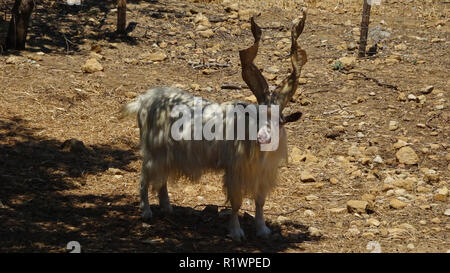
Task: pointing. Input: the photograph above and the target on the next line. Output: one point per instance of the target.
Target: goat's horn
(286, 90)
(250, 73)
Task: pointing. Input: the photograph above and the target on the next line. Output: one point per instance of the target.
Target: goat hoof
(167, 209)
(263, 232)
(147, 215)
(237, 235)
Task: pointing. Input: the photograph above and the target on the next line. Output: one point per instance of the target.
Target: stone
(337, 210)
(353, 231)
(401, 96)
(399, 144)
(411, 97)
(393, 125)
(348, 62)
(397, 204)
(201, 19)
(447, 212)
(91, 66)
(333, 180)
(431, 178)
(206, 33)
(311, 197)
(14, 60)
(427, 90)
(373, 222)
(156, 57)
(404, 183)
(309, 213)
(306, 176)
(315, 232)
(436, 220)
(401, 47)
(397, 232)
(406, 155)
(358, 206)
(410, 246)
(378, 160)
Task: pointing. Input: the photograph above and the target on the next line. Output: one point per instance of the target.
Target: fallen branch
(197, 65)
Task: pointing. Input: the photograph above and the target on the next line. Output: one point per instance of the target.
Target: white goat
(249, 171)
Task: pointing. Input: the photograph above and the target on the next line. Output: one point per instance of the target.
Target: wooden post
(121, 16)
(18, 26)
(364, 28)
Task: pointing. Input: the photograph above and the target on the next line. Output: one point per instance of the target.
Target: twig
(371, 79)
(231, 86)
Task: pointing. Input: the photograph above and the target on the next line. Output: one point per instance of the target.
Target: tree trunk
(121, 16)
(18, 26)
(364, 29)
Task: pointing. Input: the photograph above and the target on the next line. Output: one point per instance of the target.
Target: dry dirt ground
(355, 121)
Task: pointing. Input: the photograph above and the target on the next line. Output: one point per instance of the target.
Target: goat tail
(131, 109)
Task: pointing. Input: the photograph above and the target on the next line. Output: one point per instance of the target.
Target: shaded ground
(51, 195)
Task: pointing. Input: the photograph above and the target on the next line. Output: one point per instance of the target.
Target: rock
(400, 47)
(14, 60)
(309, 213)
(436, 220)
(91, 66)
(410, 246)
(201, 19)
(397, 232)
(373, 222)
(401, 96)
(427, 90)
(352, 46)
(348, 62)
(431, 178)
(353, 231)
(406, 155)
(447, 212)
(353, 151)
(206, 33)
(441, 194)
(306, 176)
(397, 204)
(311, 197)
(404, 183)
(378, 160)
(393, 125)
(411, 97)
(333, 180)
(337, 210)
(282, 219)
(114, 171)
(156, 57)
(399, 144)
(358, 206)
(315, 232)
(371, 151)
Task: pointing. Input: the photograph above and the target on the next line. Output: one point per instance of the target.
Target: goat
(249, 170)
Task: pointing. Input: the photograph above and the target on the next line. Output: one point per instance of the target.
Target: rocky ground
(369, 166)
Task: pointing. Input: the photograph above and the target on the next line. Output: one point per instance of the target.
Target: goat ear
(250, 73)
(286, 90)
(291, 118)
